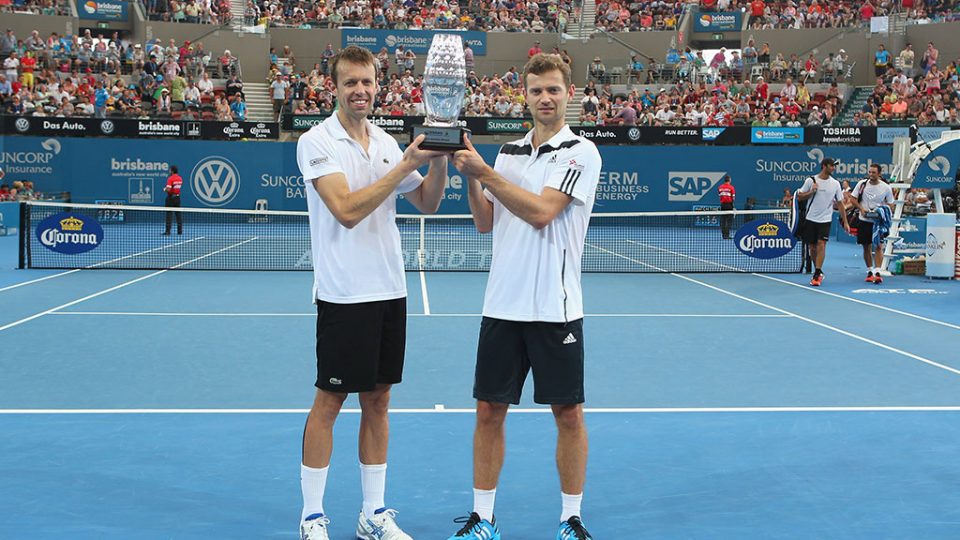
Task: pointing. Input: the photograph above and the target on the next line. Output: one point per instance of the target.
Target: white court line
(120, 286)
(85, 298)
(858, 301)
(802, 318)
(44, 278)
(439, 409)
(684, 255)
(610, 315)
(7, 288)
(819, 291)
(423, 292)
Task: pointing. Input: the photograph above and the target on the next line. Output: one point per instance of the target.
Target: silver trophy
(444, 85)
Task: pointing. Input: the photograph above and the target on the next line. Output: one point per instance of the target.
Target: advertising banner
(234, 174)
(939, 168)
(776, 135)
(849, 135)
(721, 21)
(102, 10)
(134, 128)
(417, 41)
(886, 135)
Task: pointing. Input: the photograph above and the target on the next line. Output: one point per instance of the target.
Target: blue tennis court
(170, 404)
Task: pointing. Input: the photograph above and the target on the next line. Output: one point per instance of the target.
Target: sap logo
(691, 186)
(711, 134)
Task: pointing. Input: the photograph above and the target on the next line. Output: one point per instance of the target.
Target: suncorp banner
(939, 168)
(417, 41)
(102, 10)
(724, 21)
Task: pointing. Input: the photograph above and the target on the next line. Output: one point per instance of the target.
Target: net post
(23, 234)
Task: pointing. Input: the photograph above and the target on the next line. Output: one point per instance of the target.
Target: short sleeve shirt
(535, 274)
(873, 196)
(820, 207)
(365, 263)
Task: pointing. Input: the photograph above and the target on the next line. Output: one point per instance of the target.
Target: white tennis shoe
(314, 527)
(382, 526)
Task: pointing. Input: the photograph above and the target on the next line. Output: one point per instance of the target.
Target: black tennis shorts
(864, 232)
(509, 349)
(360, 345)
(813, 231)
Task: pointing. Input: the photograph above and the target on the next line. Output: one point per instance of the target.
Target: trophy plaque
(444, 86)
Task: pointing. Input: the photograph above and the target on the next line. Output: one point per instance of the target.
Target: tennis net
(91, 236)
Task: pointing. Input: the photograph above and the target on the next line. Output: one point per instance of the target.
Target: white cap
(841, 50)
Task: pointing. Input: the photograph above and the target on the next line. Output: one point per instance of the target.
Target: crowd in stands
(188, 11)
(723, 102)
(99, 77)
(792, 14)
(297, 91)
(36, 7)
(18, 191)
(914, 87)
(638, 16)
(483, 15)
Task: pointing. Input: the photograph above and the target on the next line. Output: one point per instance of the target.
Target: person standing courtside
(537, 200)
(869, 195)
(354, 171)
(727, 194)
(824, 194)
(174, 184)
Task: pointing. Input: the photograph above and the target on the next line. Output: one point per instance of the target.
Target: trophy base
(440, 138)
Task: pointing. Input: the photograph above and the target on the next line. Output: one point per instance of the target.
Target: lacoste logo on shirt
(334, 380)
(569, 339)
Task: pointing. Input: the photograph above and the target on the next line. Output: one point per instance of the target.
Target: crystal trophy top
(444, 80)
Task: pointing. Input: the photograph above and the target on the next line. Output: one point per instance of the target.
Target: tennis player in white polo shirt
(353, 171)
(537, 201)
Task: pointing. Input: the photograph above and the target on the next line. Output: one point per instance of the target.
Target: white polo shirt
(535, 274)
(363, 264)
(820, 207)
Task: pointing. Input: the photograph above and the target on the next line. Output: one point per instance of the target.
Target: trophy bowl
(444, 86)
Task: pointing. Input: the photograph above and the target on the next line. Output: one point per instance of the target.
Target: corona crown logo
(768, 229)
(71, 224)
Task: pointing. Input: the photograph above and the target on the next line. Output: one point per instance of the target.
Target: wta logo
(764, 239)
(69, 233)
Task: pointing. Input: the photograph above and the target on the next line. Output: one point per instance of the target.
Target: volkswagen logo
(106, 127)
(22, 124)
(215, 181)
(634, 134)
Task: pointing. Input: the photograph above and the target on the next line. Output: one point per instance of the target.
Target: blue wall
(637, 178)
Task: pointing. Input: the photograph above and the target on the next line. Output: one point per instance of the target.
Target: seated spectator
(598, 71)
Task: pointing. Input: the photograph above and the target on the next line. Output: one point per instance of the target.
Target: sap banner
(221, 174)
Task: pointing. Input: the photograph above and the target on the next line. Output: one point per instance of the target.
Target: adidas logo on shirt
(569, 339)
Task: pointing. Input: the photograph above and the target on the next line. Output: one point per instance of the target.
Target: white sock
(373, 481)
(483, 502)
(571, 506)
(313, 482)
(876, 271)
